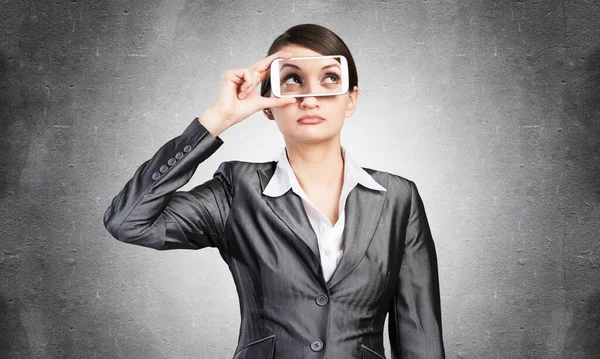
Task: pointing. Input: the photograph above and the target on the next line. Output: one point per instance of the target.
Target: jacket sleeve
(415, 321)
(149, 212)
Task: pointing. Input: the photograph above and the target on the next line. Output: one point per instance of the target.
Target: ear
(268, 113)
(353, 96)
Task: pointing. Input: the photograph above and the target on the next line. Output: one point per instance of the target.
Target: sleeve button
(163, 168)
(171, 162)
(155, 176)
(179, 155)
(187, 148)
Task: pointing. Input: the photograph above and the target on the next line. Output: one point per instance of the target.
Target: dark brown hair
(317, 38)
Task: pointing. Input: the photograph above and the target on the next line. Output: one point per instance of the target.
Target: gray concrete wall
(491, 107)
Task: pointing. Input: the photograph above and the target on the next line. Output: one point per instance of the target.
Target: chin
(313, 135)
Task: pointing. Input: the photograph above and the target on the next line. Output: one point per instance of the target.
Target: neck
(317, 165)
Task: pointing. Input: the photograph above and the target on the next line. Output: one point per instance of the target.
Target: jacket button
(163, 168)
(171, 162)
(156, 176)
(322, 299)
(179, 155)
(187, 148)
(316, 346)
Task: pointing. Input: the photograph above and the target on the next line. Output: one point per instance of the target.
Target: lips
(311, 119)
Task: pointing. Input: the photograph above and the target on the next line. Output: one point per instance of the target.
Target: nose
(309, 102)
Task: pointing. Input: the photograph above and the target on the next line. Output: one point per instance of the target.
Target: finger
(254, 79)
(265, 74)
(265, 64)
(248, 85)
(235, 75)
(247, 79)
(269, 102)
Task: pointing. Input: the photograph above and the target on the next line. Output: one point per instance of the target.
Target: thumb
(267, 102)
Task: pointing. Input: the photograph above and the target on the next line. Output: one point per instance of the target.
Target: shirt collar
(284, 178)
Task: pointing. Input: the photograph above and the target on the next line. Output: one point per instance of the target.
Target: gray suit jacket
(288, 310)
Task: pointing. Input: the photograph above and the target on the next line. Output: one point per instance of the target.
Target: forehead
(301, 64)
(298, 51)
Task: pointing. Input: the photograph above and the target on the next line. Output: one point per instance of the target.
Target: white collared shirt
(329, 237)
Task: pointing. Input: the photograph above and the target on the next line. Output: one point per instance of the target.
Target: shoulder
(394, 181)
(238, 170)
(245, 167)
(400, 190)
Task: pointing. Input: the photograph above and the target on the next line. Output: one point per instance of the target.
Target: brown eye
(293, 76)
(333, 76)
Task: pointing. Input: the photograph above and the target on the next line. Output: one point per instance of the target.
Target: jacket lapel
(363, 210)
(289, 208)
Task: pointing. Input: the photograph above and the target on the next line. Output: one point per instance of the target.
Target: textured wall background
(491, 107)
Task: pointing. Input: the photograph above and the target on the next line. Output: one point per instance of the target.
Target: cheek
(338, 109)
(284, 113)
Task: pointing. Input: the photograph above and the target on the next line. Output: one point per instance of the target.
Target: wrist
(213, 121)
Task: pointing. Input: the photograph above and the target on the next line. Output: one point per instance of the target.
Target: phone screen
(309, 76)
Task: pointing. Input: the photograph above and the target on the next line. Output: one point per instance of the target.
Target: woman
(320, 249)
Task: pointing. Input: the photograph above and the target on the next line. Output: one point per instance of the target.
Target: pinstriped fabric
(288, 308)
(329, 237)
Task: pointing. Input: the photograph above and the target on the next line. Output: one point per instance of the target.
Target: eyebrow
(297, 67)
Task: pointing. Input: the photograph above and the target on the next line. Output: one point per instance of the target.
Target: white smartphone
(309, 76)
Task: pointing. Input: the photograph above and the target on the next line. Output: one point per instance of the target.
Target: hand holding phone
(236, 98)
